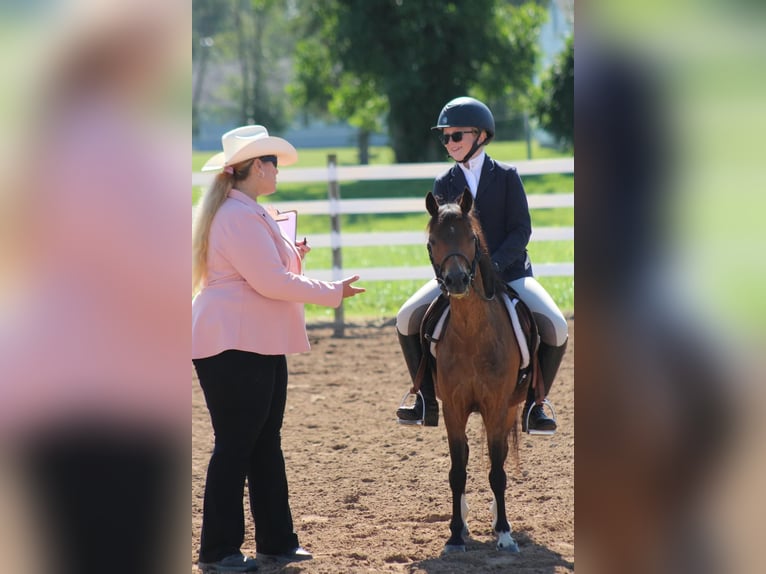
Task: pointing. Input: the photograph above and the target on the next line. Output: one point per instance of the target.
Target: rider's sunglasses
(455, 136)
(270, 159)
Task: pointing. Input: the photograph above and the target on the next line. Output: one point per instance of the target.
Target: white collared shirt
(472, 173)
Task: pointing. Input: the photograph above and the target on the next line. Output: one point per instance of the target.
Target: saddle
(436, 320)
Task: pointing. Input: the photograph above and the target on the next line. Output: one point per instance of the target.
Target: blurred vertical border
(670, 301)
(94, 275)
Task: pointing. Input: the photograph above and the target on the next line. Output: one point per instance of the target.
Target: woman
(246, 316)
(466, 126)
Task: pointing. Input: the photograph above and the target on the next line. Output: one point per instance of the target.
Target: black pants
(245, 394)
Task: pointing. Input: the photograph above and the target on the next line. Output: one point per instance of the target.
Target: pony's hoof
(506, 543)
(452, 548)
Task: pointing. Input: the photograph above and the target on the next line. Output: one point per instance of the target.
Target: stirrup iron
(542, 432)
(419, 421)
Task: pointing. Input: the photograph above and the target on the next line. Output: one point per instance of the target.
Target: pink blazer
(252, 298)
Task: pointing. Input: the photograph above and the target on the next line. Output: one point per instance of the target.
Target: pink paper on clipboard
(288, 222)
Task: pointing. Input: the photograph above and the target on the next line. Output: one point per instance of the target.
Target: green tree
(208, 19)
(510, 94)
(555, 99)
(262, 46)
(251, 37)
(416, 56)
(357, 99)
(321, 87)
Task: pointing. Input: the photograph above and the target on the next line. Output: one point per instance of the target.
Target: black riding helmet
(467, 112)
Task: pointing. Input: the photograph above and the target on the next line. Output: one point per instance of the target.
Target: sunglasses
(455, 136)
(270, 159)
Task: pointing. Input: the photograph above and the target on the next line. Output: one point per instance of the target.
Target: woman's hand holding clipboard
(303, 247)
(288, 223)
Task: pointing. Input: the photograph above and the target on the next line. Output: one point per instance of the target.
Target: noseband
(471, 264)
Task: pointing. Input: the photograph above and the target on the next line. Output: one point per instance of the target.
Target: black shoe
(539, 422)
(295, 555)
(414, 414)
(233, 563)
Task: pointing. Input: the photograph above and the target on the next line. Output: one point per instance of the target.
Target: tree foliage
(262, 46)
(208, 19)
(323, 88)
(250, 43)
(555, 101)
(375, 64)
(414, 56)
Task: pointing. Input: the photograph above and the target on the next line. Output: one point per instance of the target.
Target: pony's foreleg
(498, 451)
(458, 449)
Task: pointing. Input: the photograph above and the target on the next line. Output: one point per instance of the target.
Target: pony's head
(455, 246)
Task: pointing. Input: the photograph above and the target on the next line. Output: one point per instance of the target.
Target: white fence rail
(395, 171)
(415, 237)
(405, 205)
(401, 204)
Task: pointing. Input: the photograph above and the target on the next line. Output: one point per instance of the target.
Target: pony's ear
(466, 201)
(431, 204)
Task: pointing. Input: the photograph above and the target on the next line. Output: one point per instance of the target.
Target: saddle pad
(510, 305)
(438, 328)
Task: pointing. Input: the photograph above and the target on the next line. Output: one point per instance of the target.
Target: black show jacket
(501, 204)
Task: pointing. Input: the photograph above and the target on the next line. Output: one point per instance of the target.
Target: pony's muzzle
(456, 283)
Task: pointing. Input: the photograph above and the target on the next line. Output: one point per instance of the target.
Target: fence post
(333, 192)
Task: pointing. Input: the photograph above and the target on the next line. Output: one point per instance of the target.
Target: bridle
(471, 264)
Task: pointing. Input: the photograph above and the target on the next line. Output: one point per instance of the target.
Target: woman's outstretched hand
(348, 289)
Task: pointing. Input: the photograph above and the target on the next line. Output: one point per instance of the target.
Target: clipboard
(288, 222)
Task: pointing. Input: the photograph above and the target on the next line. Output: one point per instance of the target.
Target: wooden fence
(335, 175)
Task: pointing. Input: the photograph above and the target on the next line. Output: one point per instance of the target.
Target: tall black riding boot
(550, 359)
(413, 353)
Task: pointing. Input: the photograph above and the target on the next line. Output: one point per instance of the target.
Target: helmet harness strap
(476, 145)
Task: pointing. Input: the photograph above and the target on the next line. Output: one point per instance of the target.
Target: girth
(435, 312)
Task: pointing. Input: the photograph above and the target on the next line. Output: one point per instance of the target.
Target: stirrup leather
(421, 420)
(541, 432)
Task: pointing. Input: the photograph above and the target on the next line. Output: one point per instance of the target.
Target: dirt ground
(370, 495)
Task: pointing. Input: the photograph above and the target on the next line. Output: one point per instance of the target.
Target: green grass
(533, 184)
(383, 298)
(417, 255)
(384, 222)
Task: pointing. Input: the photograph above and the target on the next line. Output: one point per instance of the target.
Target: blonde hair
(209, 205)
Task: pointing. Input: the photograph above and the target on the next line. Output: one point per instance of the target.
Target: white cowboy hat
(247, 142)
